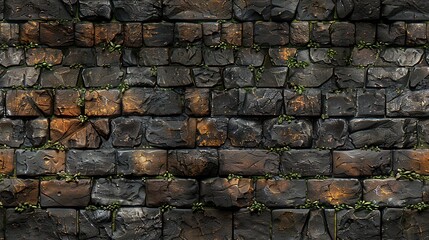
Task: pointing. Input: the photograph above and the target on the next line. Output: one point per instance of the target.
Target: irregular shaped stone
(249, 56)
(186, 56)
(315, 10)
(57, 34)
(408, 103)
(218, 57)
(29, 103)
(9, 33)
(186, 33)
(17, 191)
(137, 10)
(299, 31)
(273, 77)
(232, 33)
(419, 77)
(244, 133)
(84, 34)
(130, 57)
(296, 134)
(320, 33)
(280, 56)
(142, 162)
(171, 132)
(153, 56)
(358, 9)
(20, 76)
(271, 33)
(35, 10)
(307, 104)
(364, 57)
(404, 224)
(172, 76)
(288, 223)
(371, 102)
(403, 10)
(193, 163)
(367, 32)
(106, 58)
(306, 162)
(94, 224)
(91, 162)
(65, 103)
(11, 132)
(386, 133)
(40, 55)
(248, 162)
(212, 33)
(235, 77)
(331, 56)
(311, 76)
(251, 10)
(387, 76)
(394, 33)
(341, 104)
(402, 57)
(59, 193)
(260, 101)
(133, 34)
(59, 77)
(416, 34)
(177, 192)
(126, 132)
(211, 132)
(73, 134)
(95, 9)
(83, 56)
(281, 193)
(34, 163)
(355, 224)
(248, 30)
(246, 225)
(413, 160)
(126, 192)
(342, 34)
(357, 163)
(391, 192)
(102, 103)
(208, 10)
(346, 77)
(36, 132)
(334, 191)
(158, 34)
(11, 57)
(197, 101)
(150, 101)
(138, 222)
(207, 77)
(331, 133)
(224, 102)
(283, 10)
(224, 193)
(7, 161)
(108, 32)
(100, 76)
(139, 76)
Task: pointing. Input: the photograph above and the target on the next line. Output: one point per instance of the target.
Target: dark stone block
(197, 10)
(193, 163)
(95, 9)
(232, 33)
(244, 133)
(137, 10)
(133, 35)
(59, 193)
(330, 56)
(248, 226)
(315, 10)
(281, 55)
(210, 224)
(251, 10)
(107, 59)
(36, 132)
(308, 103)
(271, 33)
(260, 102)
(187, 33)
(91, 162)
(281, 193)
(130, 57)
(289, 223)
(371, 102)
(126, 192)
(29, 103)
(73, 134)
(11, 57)
(186, 56)
(84, 56)
(296, 134)
(387, 77)
(7, 161)
(207, 77)
(173, 76)
(84, 34)
(140, 76)
(40, 55)
(364, 57)
(394, 33)
(35, 10)
(211, 132)
(142, 162)
(249, 56)
(224, 193)
(153, 56)
(320, 33)
(408, 57)
(218, 57)
(150, 101)
(95, 224)
(127, 132)
(248, 162)
(108, 32)
(33, 163)
(283, 10)
(248, 31)
(306, 162)
(341, 104)
(413, 160)
(197, 101)
(132, 223)
(355, 224)
(407, 103)
(9, 33)
(358, 9)
(59, 77)
(404, 224)
(225, 102)
(418, 77)
(20, 76)
(404, 10)
(273, 77)
(17, 191)
(391, 192)
(177, 192)
(235, 77)
(212, 33)
(57, 34)
(387, 133)
(299, 31)
(311, 76)
(416, 34)
(158, 34)
(332, 133)
(357, 163)
(423, 132)
(100, 76)
(366, 32)
(342, 34)
(103, 103)
(65, 103)
(334, 191)
(171, 132)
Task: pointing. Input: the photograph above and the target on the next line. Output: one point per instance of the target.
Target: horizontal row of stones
(69, 223)
(185, 132)
(211, 162)
(215, 192)
(243, 10)
(299, 33)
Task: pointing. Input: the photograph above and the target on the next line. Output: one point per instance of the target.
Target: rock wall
(214, 119)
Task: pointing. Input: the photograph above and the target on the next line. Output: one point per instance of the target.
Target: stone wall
(214, 119)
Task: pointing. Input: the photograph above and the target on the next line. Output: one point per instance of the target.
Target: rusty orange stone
(74, 134)
(232, 33)
(133, 35)
(39, 55)
(29, 32)
(211, 132)
(197, 102)
(29, 103)
(108, 32)
(84, 34)
(66, 103)
(15, 191)
(6, 161)
(102, 103)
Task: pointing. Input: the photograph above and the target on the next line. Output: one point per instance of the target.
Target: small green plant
(299, 89)
(294, 63)
(290, 176)
(377, 45)
(421, 206)
(279, 150)
(49, 145)
(112, 47)
(224, 45)
(26, 207)
(233, 176)
(167, 176)
(285, 118)
(91, 208)
(311, 205)
(365, 205)
(339, 207)
(123, 86)
(198, 207)
(324, 116)
(410, 175)
(321, 177)
(256, 207)
(68, 177)
(3, 46)
(256, 47)
(257, 71)
(82, 118)
(76, 66)
(331, 53)
(153, 71)
(26, 46)
(313, 44)
(165, 208)
(371, 148)
(43, 65)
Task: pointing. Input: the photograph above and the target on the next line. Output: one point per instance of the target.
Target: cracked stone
(404, 223)
(103, 103)
(57, 34)
(334, 191)
(91, 162)
(249, 56)
(387, 76)
(323, 56)
(358, 9)
(144, 222)
(281, 193)
(153, 56)
(186, 56)
(187, 33)
(244, 133)
(137, 10)
(193, 163)
(95, 9)
(127, 132)
(320, 33)
(158, 34)
(419, 77)
(232, 33)
(108, 32)
(211, 33)
(171, 132)
(59, 193)
(73, 134)
(142, 162)
(331, 133)
(299, 31)
(224, 193)
(315, 10)
(173, 76)
(84, 56)
(289, 223)
(394, 33)
(364, 57)
(9, 33)
(34, 163)
(416, 34)
(402, 57)
(357, 163)
(251, 10)
(371, 102)
(248, 29)
(307, 104)
(177, 192)
(197, 101)
(107, 59)
(207, 77)
(211, 132)
(236, 77)
(408, 103)
(392, 192)
(15, 191)
(94, 224)
(150, 101)
(84, 34)
(423, 132)
(354, 224)
(39, 55)
(65, 102)
(260, 101)
(342, 34)
(280, 56)
(197, 10)
(126, 192)
(16, 10)
(133, 34)
(11, 57)
(414, 160)
(101, 77)
(367, 32)
(248, 162)
(273, 77)
(341, 104)
(296, 134)
(311, 76)
(403, 10)
(218, 57)
(29, 103)
(20, 76)
(11, 132)
(248, 226)
(224, 102)
(271, 33)
(283, 10)
(306, 162)
(7, 161)
(59, 77)
(346, 77)
(140, 76)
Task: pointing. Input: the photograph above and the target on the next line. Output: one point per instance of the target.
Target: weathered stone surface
(127, 132)
(337, 56)
(16, 191)
(235, 77)
(177, 192)
(11, 132)
(357, 163)
(140, 76)
(9, 33)
(311, 76)
(397, 133)
(35, 9)
(423, 132)
(407, 103)
(211, 132)
(210, 224)
(331, 133)
(416, 34)
(404, 224)
(244, 133)
(145, 223)
(249, 56)
(404, 10)
(281, 193)
(218, 57)
(59, 193)
(283, 10)
(248, 29)
(208, 10)
(308, 103)
(94, 224)
(153, 56)
(173, 76)
(171, 132)
(350, 77)
(142, 162)
(95, 9)
(207, 77)
(394, 33)
(100, 76)
(29, 103)
(126, 192)
(65, 103)
(193, 163)
(36, 132)
(40, 55)
(280, 56)
(248, 162)
(387, 76)
(354, 224)
(106, 58)
(137, 10)
(342, 34)
(59, 77)
(251, 10)
(271, 33)
(47, 223)
(419, 77)
(158, 34)
(358, 9)
(11, 57)
(392, 192)
(306, 162)
(129, 57)
(186, 56)
(231, 33)
(299, 31)
(413, 160)
(186, 33)
(320, 33)
(197, 101)
(34, 163)
(260, 101)
(84, 56)
(367, 32)
(103, 103)
(108, 32)
(7, 161)
(150, 101)
(341, 104)
(315, 10)
(212, 33)
(371, 102)
(224, 102)
(20, 76)
(364, 57)
(296, 134)
(73, 134)
(91, 162)
(334, 191)
(248, 225)
(403, 57)
(57, 34)
(273, 77)
(133, 34)
(224, 193)
(289, 223)
(84, 34)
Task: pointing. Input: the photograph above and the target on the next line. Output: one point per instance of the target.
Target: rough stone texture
(357, 163)
(94, 224)
(108, 32)
(225, 193)
(289, 223)
(127, 132)
(153, 56)
(142, 222)
(280, 56)
(315, 10)
(102, 103)
(187, 56)
(422, 132)
(341, 104)
(7, 161)
(273, 77)
(415, 160)
(251, 10)
(207, 77)
(91, 162)
(253, 162)
(173, 76)
(334, 190)
(35, 10)
(36, 132)
(408, 103)
(236, 77)
(95, 10)
(149, 101)
(283, 10)
(311, 76)
(139, 76)
(353, 224)
(9, 33)
(34, 163)
(16, 191)
(271, 33)
(59, 77)
(56, 34)
(371, 102)
(84, 34)
(65, 103)
(59, 193)
(244, 133)
(193, 163)
(418, 77)
(197, 102)
(296, 134)
(11, 57)
(20, 76)
(126, 192)
(224, 102)
(218, 57)
(177, 192)
(404, 224)
(39, 55)
(306, 162)
(394, 33)
(29, 103)
(142, 162)
(402, 10)
(358, 9)
(11, 132)
(281, 193)
(382, 77)
(158, 34)
(260, 101)
(247, 225)
(331, 133)
(100, 77)
(211, 132)
(330, 56)
(402, 57)
(186, 10)
(342, 34)
(171, 132)
(73, 134)
(392, 192)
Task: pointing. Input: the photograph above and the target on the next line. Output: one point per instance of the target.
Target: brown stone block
(16, 191)
(84, 34)
(29, 103)
(152, 162)
(102, 103)
(39, 55)
(55, 34)
(177, 192)
(232, 33)
(7, 162)
(59, 193)
(280, 56)
(334, 191)
(225, 193)
(151, 101)
(248, 162)
(248, 225)
(40, 162)
(413, 160)
(248, 34)
(392, 193)
(211, 132)
(188, 32)
(290, 223)
(171, 132)
(74, 134)
(108, 32)
(281, 192)
(133, 35)
(66, 103)
(193, 163)
(9, 33)
(158, 34)
(197, 101)
(361, 163)
(29, 32)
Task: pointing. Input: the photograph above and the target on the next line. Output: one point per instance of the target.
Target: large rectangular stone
(281, 193)
(197, 10)
(408, 103)
(391, 192)
(404, 224)
(171, 132)
(224, 193)
(91, 162)
(125, 192)
(249, 226)
(34, 163)
(248, 162)
(306, 162)
(334, 191)
(405, 10)
(18, 191)
(357, 163)
(7, 161)
(193, 163)
(35, 10)
(11, 132)
(412, 160)
(297, 133)
(177, 192)
(150, 101)
(137, 10)
(59, 193)
(29, 103)
(260, 101)
(309, 103)
(71, 133)
(134, 223)
(151, 162)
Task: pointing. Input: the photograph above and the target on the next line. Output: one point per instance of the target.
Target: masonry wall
(214, 119)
